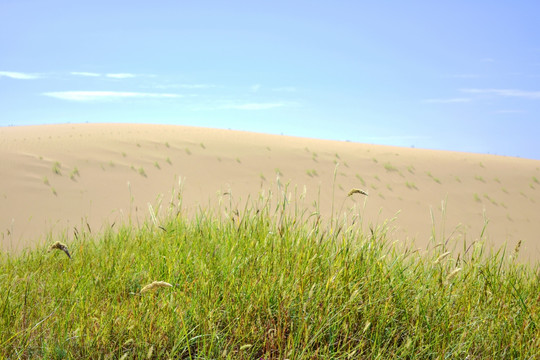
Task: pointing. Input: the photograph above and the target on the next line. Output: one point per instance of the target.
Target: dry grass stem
(452, 274)
(357, 191)
(155, 285)
(58, 245)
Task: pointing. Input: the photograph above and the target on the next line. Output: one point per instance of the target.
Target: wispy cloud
(254, 106)
(121, 76)
(88, 96)
(83, 73)
(18, 75)
(446, 101)
(505, 92)
(256, 87)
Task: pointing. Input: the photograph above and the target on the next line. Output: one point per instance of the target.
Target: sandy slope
(108, 157)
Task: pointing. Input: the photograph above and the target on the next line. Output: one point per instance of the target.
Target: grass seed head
(59, 246)
(441, 257)
(154, 286)
(357, 191)
(452, 274)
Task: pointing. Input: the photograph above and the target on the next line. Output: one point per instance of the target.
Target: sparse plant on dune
(203, 146)
(168, 160)
(479, 178)
(362, 181)
(156, 164)
(142, 172)
(188, 151)
(411, 185)
(56, 168)
(46, 181)
(389, 167)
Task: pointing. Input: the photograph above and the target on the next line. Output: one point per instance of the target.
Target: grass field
(267, 281)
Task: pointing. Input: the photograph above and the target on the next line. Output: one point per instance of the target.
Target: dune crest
(59, 178)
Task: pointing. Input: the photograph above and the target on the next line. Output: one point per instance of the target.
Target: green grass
(266, 282)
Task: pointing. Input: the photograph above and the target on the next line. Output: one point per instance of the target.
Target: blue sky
(458, 75)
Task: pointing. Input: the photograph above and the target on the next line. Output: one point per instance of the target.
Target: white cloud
(105, 95)
(447, 101)
(83, 73)
(18, 75)
(254, 106)
(121, 76)
(255, 87)
(505, 92)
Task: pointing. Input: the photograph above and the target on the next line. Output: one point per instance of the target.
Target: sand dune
(56, 178)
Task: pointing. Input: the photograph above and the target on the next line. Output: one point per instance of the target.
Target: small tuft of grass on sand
(411, 185)
(142, 172)
(362, 181)
(477, 197)
(74, 173)
(188, 151)
(203, 146)
(312, 173)
(54, 191)
(46, 181)
(56, 168)
(238, 160)
(389, 167)
(124, 154)
(535, 180)
(168, 160)
(167, 145)
(479, 178)
(156, 164)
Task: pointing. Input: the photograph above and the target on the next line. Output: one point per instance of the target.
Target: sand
(58, 179)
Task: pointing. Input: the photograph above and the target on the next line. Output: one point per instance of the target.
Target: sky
(453, 75)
